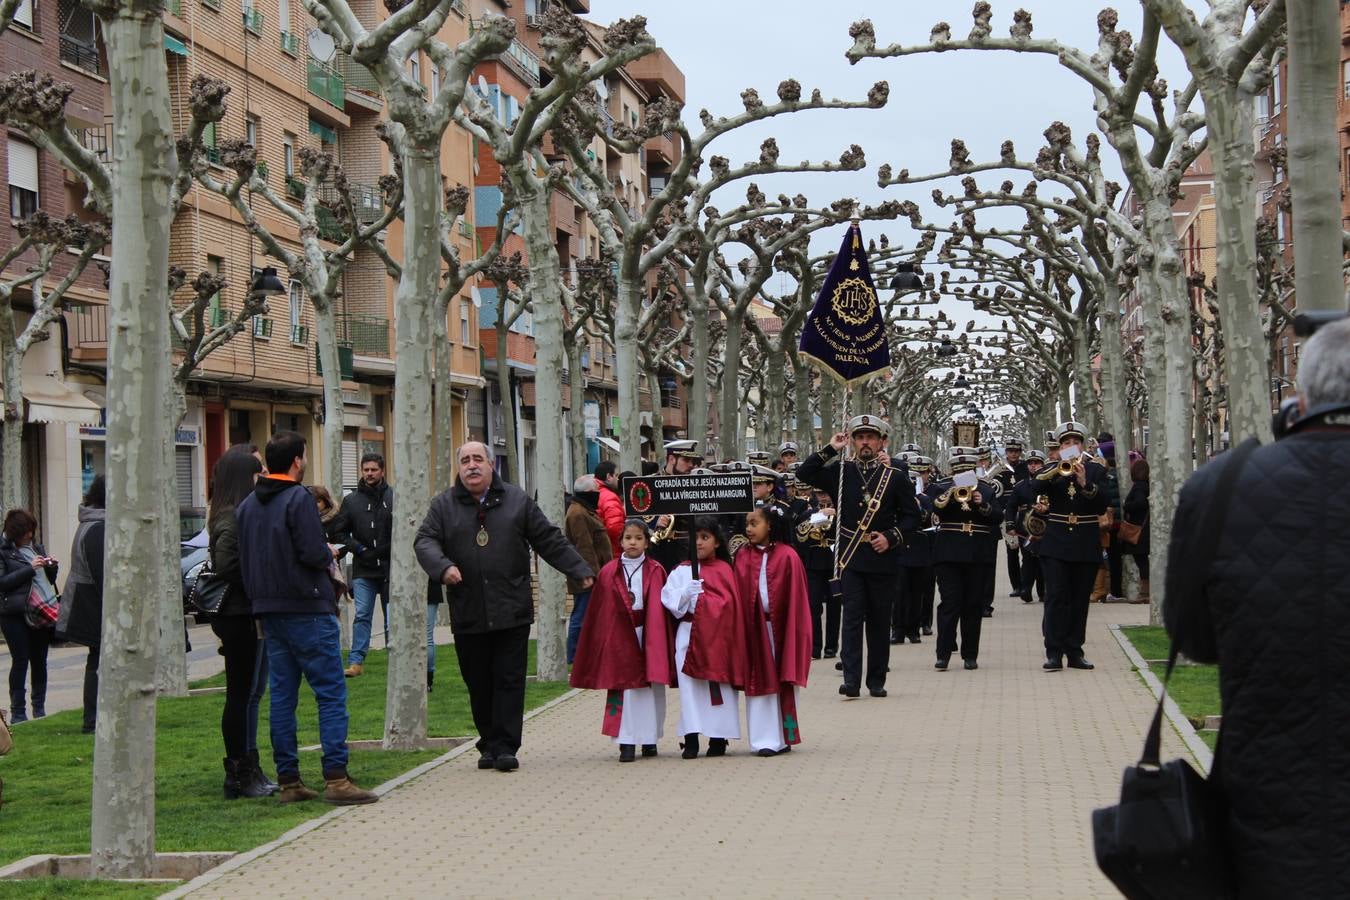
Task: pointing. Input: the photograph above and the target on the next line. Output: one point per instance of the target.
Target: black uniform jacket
(897, 512)
(1071, 531)
(963, 531)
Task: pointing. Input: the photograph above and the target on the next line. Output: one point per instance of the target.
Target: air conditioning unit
(535, 21)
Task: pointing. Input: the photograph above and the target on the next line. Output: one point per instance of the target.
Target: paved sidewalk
(959, 784)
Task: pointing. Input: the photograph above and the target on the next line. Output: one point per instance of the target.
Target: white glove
(692, 591)
(820, 518)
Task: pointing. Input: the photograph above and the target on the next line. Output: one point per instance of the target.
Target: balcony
(662, 151)
(295, 188)
(367, 201)
(97, 140)
(366, 335)
(81, 55)
(673, 413)
(175, 7)
(357, 76)
(658, 74)
(325, 82)
(524, 61)
(290, 44)
(253, 21)
(606, 120)
(329, 229)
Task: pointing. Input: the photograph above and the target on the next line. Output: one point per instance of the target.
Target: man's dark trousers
(1068, 590)
(493, 665)
(1015, 568)
(867, 604)
(962, 586)
(824, 635)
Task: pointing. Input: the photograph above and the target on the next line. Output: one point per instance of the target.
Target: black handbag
(208, 592)
(1165, 839)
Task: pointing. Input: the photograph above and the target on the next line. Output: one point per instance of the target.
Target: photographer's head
(1324, 368)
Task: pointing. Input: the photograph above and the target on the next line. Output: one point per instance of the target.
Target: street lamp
(961, 381)
(907, 278)
(265, 284)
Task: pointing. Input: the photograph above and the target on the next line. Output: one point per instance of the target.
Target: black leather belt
(964, 527)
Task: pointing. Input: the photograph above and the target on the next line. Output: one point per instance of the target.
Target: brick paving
(959, 784)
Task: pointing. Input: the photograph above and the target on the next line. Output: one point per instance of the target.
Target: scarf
(41, 583)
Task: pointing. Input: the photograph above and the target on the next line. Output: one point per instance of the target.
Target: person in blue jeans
(285, 560)
(586, 531)
(365, 528)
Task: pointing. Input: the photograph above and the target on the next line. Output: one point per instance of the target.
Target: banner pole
(839, 492)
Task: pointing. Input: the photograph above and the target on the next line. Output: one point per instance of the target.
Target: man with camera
(1273, 610)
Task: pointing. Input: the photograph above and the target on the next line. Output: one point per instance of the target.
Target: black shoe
(1053, 664)
(896, 637)
(941, 664)
(1014, 593)
(971, 665)
(876, 692)
(766, 752)
(507, 763)
(849, 691)
(259, 776)
(839, 666)
(690, 746)
(1078, 662)
(815, 656)
(831, 653)
(787, 749)
(431, 678)
(927, 630)
(648, 749)
(487, 762)
(626, 753)
(988, 612)
(86, 729)
(717, 746)
(914, 639)
(1027, 598)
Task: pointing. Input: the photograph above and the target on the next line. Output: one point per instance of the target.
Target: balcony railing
(253, 20)
(326, 83)
(357, 76)
(524, 61)
(81, 55)
(367, 201)
(295, 188)
(262, 327)
(606, 119)
(97, 140)
(299, 334)
(175, 7)
(329, 229)
(366, 335)
(290, 43)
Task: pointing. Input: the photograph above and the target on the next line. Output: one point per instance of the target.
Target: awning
(610, 444)
(174, 45)
(52, 400)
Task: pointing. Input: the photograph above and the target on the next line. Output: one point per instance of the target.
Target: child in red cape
(769, 571)
(710, 646)
(627, 645)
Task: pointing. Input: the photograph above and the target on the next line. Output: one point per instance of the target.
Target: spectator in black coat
(1273, 610)
(365, 528)
(81, 620)
(22, 562)
(1136, 512)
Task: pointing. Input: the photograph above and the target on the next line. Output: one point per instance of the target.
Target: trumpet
(962, 495)
(1064, 469)
(663, 534)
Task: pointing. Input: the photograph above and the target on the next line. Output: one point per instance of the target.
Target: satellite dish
(321, 46)
(476, 297)
(483, 85)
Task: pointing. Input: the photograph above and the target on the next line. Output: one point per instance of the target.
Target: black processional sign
(684, 495)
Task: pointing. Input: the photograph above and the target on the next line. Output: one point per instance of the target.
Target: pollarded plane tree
(416, 124)
(1153, 135)
(588, 295)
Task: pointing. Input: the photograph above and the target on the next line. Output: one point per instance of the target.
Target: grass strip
(48, 776)
(1194, 688)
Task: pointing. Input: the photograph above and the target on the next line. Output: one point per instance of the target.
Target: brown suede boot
(294, 791)
(1101, 585)
(340, 790)
(1144, 596)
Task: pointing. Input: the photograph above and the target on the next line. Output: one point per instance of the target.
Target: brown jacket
(587, 533)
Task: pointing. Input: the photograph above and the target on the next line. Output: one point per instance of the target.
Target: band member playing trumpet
(1069, 498)
(670, 534)
(967, 513)
(1017, 506)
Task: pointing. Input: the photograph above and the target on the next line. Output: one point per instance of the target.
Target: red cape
(789, 615)
(608, 655)
(717, 641)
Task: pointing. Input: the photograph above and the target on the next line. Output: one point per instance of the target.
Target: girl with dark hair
(81, 619)
(24, 568)
(627, 645)
(245, 663)
(770, 575)
(711, 660)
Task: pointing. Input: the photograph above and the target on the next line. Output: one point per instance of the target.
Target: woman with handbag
(232, 480)
(1136, 514)
(27, 596)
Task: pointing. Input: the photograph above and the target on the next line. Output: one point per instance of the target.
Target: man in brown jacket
(586, 531)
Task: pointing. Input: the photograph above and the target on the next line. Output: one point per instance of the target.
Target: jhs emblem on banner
(854, 302)
(845, 334)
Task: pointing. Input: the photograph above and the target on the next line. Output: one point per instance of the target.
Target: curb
(248, 856)
(1199, 749)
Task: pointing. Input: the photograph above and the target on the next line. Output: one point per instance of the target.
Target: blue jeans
(364, 591)
(431, 636)
(255, 697)
(579, 602)
(306, 645)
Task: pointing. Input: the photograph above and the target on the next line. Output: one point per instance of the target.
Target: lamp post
(265, 284)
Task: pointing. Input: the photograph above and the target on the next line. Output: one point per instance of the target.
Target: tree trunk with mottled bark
(325, 335)
(700, 400)
(139, 440)
(732, 426)
(627, 308)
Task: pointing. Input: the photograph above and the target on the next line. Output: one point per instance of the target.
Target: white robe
(764, 715)
(644, 709)
(697, 713)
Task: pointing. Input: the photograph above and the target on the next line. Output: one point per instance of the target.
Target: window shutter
(182, 464)
(351, 466)
(23, 165)
(24, 14)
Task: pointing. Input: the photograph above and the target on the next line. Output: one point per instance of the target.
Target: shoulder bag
(1165, 839)
(1128, 532)
(208, 592)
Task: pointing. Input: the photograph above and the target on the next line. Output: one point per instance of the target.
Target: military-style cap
(1035, 456)
(962, 459)
(763, 475)
(686, 448)
(921, 465)
(910, 448)
(702, 470)
(787, 447)
(1049, 437)
(758, 457)
(1012, 444)
(734, 466)
(1069, 430)
(868, 423)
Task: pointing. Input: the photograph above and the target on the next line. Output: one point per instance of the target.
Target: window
(1345, 76)
(415, 68)
(23, 15)
(215, 317)
(284, 16)
(464, 323)
(435, 81)
(1279, 227)
(1279, 172)
(23, 179)
(288, 154)
(297, 298)
(251, 131)
(1275, 91)
(1262, 108)
(209, 142)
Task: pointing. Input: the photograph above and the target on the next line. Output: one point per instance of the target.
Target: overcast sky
(982, 97)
